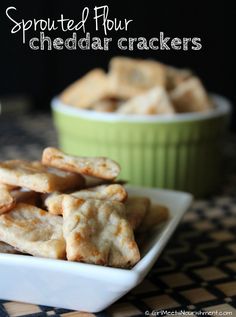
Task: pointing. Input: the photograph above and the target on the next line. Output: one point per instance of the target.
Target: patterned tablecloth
(195, 273)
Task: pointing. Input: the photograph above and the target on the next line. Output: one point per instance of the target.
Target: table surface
(197, 270)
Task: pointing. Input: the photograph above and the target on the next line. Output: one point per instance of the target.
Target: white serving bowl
(81, 286)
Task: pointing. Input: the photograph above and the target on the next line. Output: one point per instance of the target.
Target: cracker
(91, 88)
(176, 76)
(35, 176)
(136, 210)
(156, 215)
(190, 96)
(130, 77)
(154, 101)
(97, 232)
(100, 167)
(7, 201)
(34, 231)
(7, 248)
(112, 192)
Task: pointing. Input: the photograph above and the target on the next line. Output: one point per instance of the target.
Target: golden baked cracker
(35, 176)
(7, 201)
(33, 231)
(130, 77)
(176, 76)
(136, 210)
(100, 167)
(190, 96)
(7, 248)
(53, 202)
(96, 231)
(154, 101)
(91, 88)
(156, 215)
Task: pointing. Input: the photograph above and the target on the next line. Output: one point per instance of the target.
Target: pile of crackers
(71, 207)
(135, 86)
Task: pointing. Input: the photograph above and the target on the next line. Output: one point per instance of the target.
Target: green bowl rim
(223, 108)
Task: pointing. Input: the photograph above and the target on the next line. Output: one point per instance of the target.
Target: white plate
(87, 287)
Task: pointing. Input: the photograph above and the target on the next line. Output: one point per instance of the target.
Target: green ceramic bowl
(180, 152)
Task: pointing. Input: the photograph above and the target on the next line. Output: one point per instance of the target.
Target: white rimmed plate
(87, 287)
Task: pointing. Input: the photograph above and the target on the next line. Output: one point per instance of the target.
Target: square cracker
(154, 101)
(97, 232)
(130, 77)
(101, 167)
(111, 192)
(34, 231)
(35, 176)
(83, 93)
(190, 96)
